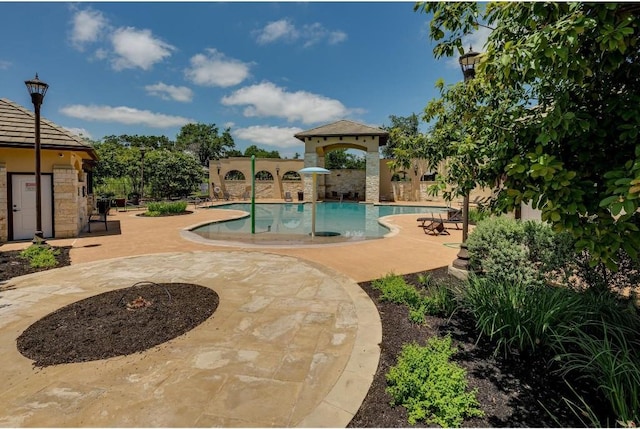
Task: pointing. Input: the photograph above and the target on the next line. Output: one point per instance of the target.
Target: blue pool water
(291, 222)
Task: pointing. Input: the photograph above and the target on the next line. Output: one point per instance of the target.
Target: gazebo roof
(17, 130)
(344, 128)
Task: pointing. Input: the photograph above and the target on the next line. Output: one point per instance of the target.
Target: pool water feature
(291, 222)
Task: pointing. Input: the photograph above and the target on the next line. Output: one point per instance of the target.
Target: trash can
(300, 196)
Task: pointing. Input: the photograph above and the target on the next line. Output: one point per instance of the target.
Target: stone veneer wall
(372, 177)
(4, 227)
(345, 181)
(65, 201)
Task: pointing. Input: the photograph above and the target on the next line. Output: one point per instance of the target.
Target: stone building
(66, 162)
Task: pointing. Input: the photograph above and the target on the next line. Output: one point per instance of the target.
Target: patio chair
(287, 197)
(454, 216)
(101, 212)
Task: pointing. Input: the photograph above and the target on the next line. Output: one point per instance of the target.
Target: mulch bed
(512, 393)
(118, 322)
(11, 265)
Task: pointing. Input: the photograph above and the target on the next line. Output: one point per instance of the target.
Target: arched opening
(234, 175)
(264, 176)
(291, 176)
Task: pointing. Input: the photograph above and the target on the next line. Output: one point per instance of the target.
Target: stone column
(310, 160)
(65, 201)
(4, 195)
(372, 179)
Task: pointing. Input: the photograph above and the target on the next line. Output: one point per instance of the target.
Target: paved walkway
(294, 342)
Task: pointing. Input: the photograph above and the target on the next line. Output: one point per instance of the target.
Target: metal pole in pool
(313, 205)
(253, 194)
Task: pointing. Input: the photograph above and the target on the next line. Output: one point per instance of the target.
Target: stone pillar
(310, 160)
(4, 199)
(65, 201)
(372, 180)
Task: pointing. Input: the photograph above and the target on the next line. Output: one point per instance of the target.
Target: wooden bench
(100, 213)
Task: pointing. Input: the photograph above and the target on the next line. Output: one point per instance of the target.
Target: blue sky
(265, 69)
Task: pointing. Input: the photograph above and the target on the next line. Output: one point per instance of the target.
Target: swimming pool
(291, 222)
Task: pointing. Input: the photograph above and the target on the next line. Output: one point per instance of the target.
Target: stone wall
(349, 182)
(65, 201)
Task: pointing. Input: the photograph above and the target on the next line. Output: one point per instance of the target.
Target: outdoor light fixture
(37, 89)
(278, 170)
(468, 64)
(219, 168)
(415, 168)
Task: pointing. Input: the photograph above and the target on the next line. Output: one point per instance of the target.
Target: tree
(404, 126)
(260, 153)
(340, 158)
(552, 115)
(204, 141)
(171, 173)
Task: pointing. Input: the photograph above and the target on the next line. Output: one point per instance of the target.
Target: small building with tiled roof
(345, 134)
(66, 162)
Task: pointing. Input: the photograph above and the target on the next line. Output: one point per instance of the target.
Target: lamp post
(468, 64)
(142, 152)
(37, 89)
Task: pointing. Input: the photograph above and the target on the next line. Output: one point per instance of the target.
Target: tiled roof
(17, 130)
(344, 128)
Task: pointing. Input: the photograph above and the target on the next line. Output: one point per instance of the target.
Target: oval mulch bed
(119, 322)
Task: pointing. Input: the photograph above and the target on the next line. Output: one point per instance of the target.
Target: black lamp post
(37, 89)
(142, 152)
(468, 64)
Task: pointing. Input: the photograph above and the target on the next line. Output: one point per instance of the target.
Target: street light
(468, 64)
(142, 151)
(37, 89)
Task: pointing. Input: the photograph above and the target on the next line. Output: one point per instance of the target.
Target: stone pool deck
(294, 341)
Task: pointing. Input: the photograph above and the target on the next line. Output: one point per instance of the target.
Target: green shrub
(430, 387)
(165, 207)
(610, 361)
(40, 256)
(434, 299)
(519, 317)
(478, 214)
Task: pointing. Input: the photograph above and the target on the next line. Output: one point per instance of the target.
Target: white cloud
(79, 132)
(267, 99)
(281, 137)
(170, 92)
(87, 26)
(124, 115)
(137, 48)
(4, 65)
(273, 31)
(284, 30)
(215, 69)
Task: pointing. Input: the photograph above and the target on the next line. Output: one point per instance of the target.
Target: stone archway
(345, 135)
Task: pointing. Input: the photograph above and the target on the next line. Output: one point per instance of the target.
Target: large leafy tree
(401, 127)
(171, 173)
(260, 153)
(552, 116)
(340, 158)
(205, 141)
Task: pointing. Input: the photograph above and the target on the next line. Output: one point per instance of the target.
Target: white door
(24, 206)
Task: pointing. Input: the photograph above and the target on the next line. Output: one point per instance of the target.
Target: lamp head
(37, 89)
(468, 63)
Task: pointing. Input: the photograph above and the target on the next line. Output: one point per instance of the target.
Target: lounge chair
(453, 216)
(287, 197)
(435, 227)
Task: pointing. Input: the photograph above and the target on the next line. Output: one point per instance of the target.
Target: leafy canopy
(551, 118)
